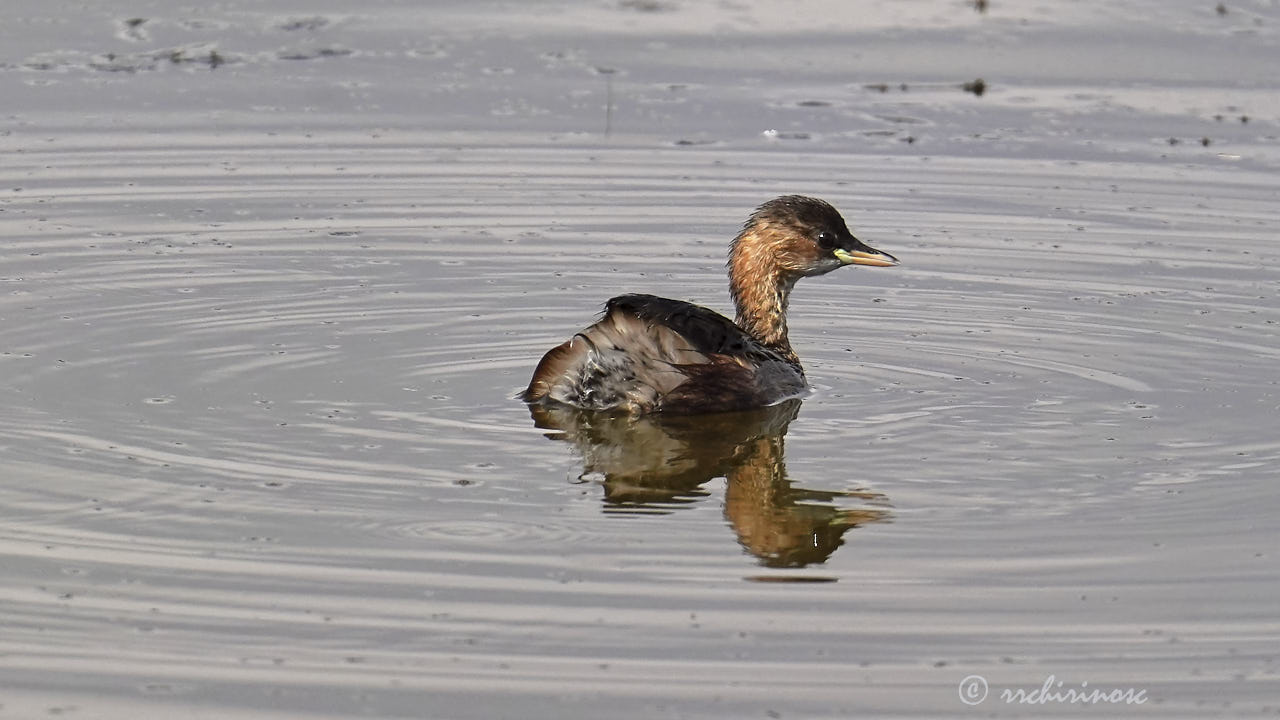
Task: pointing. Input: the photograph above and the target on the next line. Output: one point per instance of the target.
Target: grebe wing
(641, 354)
(699, 330)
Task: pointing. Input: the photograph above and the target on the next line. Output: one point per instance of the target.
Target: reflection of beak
(869, 256)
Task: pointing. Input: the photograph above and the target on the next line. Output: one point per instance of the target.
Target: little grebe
(651, 354)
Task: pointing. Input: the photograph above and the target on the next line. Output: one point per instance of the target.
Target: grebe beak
(868, 256)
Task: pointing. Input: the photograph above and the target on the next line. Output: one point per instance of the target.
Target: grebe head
(800, 237)
(784, 240)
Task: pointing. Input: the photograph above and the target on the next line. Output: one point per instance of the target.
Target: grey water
(271, 275)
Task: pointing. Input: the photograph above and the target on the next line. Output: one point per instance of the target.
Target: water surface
(271, 278)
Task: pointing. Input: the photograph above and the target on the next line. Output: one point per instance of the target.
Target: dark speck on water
(648, 6)
(312, 24)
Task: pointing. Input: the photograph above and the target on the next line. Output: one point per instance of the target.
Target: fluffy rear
(650, 354)
(621, 362)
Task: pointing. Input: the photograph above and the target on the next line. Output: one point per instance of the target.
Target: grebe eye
(826, 240)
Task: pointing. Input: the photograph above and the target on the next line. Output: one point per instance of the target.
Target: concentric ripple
(271, 276)
(260, 435)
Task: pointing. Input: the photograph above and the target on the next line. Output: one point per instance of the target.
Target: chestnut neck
(760, 291)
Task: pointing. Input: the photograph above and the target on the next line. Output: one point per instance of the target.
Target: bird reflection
(656, 464)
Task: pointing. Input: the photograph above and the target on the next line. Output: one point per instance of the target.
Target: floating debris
(131, 29)
(326, 52)
(193, 56)
(144, 62)
(977, 87)
(785, 135)
(649, 6)
(885, 87)
(310, 24)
